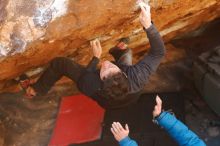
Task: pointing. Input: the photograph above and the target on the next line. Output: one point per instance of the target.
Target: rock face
(34, 32)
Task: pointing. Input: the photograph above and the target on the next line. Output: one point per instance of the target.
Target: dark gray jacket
(138, 74)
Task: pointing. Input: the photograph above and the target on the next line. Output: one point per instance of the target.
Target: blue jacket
(176, 129)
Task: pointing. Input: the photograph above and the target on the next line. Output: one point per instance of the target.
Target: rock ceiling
(35, 31)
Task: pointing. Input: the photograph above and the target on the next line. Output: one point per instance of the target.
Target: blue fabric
(178, 131)
(127, 142)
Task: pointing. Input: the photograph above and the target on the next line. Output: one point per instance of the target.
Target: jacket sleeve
(127, 142)
(139, 73)
(92, 64)
(178, 131)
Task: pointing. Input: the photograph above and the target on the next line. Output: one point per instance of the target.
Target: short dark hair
(115, 87)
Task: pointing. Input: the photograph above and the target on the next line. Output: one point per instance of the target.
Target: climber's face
(108, 69)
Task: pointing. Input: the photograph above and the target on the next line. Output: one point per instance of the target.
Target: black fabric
(124, 57)
(90, 83)
(139, 118)
(117, 53)
(115, 104)
(88, 79)
(138, 73)
(58, 67)
(92, 64)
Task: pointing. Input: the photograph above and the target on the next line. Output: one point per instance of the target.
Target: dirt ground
(27, 122)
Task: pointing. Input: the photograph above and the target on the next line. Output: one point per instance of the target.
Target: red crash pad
(79, 120)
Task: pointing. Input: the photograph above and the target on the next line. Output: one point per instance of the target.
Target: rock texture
(34, 32)
(27, 123)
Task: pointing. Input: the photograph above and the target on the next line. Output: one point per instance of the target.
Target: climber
(116, 84)
(176, 129)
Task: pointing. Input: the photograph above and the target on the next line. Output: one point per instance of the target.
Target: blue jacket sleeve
(178, 131)
(127, 142)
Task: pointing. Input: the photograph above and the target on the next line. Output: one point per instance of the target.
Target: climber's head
(115, 82)
(108, 69)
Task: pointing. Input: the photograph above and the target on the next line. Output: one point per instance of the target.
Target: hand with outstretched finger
(157, 107)
(145, 16)
(119, 132)
(96, 48)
